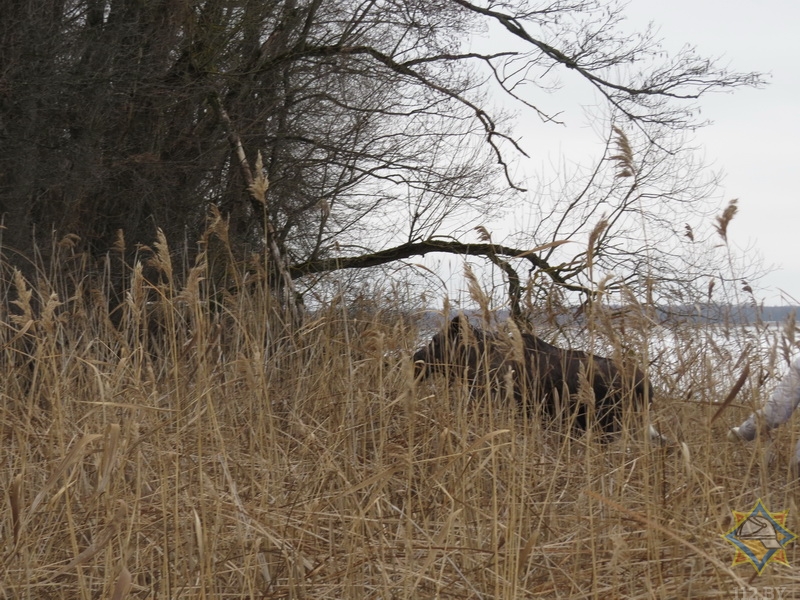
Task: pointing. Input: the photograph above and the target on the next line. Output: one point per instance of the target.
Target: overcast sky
(754, 132)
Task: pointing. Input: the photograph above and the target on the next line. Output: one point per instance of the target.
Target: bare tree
(372, 119)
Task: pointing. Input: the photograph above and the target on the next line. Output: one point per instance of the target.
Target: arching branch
(404, 251)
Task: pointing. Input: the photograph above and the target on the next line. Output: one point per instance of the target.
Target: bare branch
(410, 249)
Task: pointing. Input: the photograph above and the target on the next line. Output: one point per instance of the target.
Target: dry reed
(182, 448)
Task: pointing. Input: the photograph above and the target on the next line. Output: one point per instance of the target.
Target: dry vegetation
(187, 451)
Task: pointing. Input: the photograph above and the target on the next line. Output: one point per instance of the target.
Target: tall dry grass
(171, 447)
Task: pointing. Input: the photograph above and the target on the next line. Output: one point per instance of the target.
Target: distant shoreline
(699, 313)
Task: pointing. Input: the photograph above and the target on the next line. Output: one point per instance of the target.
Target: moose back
(582, 388)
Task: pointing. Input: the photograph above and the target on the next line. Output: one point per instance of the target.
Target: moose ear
(458, 325)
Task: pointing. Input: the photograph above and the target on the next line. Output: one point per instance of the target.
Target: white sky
(754, 132)
(754, 135)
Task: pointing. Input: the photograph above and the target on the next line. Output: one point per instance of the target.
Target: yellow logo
(760, 537)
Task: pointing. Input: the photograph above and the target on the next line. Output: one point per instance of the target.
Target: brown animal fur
(562, 383)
